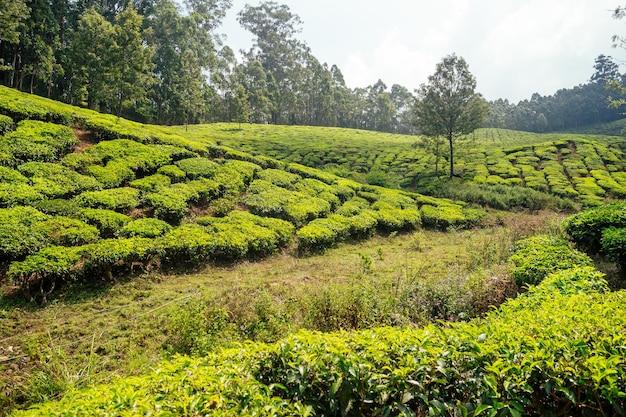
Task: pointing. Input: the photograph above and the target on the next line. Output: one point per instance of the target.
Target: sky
(514, 48)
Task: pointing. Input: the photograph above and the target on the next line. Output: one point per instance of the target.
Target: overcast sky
(514, 47)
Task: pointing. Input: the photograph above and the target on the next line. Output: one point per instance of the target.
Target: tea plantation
(135, 197)
(87, 199)
(562, 169)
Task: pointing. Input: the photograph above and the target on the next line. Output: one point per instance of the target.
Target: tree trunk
(451, 156)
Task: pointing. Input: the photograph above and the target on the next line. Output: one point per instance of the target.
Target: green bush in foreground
(522, 359)
(586, 227)
(538, 256)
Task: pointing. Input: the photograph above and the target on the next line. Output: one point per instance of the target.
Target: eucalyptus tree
(185, 47)
(448, 105)
(92, 43)
(131, 62)
(14, 13)
(258, 84)
(279, 52)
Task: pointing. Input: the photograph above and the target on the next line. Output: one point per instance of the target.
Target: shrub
(19, 234)
(38, 141)
(54, 263)
(279, 177)
(322, 233)
(6, 124)
(136, 156)
(146, 227)
(100, 258)
(65, 231)
(262, 235)
(189, 243)
(8, 175)
(353, 206)
(58, 207)
(442, 217)
(586, 227)
(107, 221)
(113, 174)
(538, 256)
(391, 220)
(55, 180)
(19, 194)
(614, 244)
(151, 183)
(176, 174)
(266, 199)
(168, 205)
(117, 199)
(197, 167)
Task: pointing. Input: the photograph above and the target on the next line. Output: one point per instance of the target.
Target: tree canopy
(165, 62)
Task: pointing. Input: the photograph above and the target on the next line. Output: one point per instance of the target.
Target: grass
(93, 333)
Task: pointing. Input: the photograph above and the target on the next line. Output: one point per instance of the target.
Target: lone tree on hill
(447, 105)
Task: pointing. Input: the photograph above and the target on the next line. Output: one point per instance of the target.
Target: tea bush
(116, 199)
(65, 231)
(585, 228)
(521, 359)
(176, 174)
(146, 227)
(323, 233)
(538, 256)
(6, 124)
(442, 217)
(279, 177)
(263, 235)
(19, 235)
(58, 207)
(19, 194)
(108, 222)
(57, 181)
(613, 244)
(168, 204)
(197, 167)
(151, 183)
(268, 200)
(392, 219)
(114, 174)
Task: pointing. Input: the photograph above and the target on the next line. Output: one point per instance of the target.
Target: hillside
(138, 243)
(583, 168)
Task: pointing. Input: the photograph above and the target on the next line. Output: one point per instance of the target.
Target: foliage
(586, 227)
(108, 222)
(146, 227)
(19, 236)
(486, 365)
(117, 199)
(6, 124)
(197, 167)
(539, 256)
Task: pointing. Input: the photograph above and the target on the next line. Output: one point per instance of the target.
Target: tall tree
(605, 70)
(93, 42)
(448, 104)
(132, 61)
(279, 52)
(14, 13)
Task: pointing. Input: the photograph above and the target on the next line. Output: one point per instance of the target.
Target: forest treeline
(165, 62)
